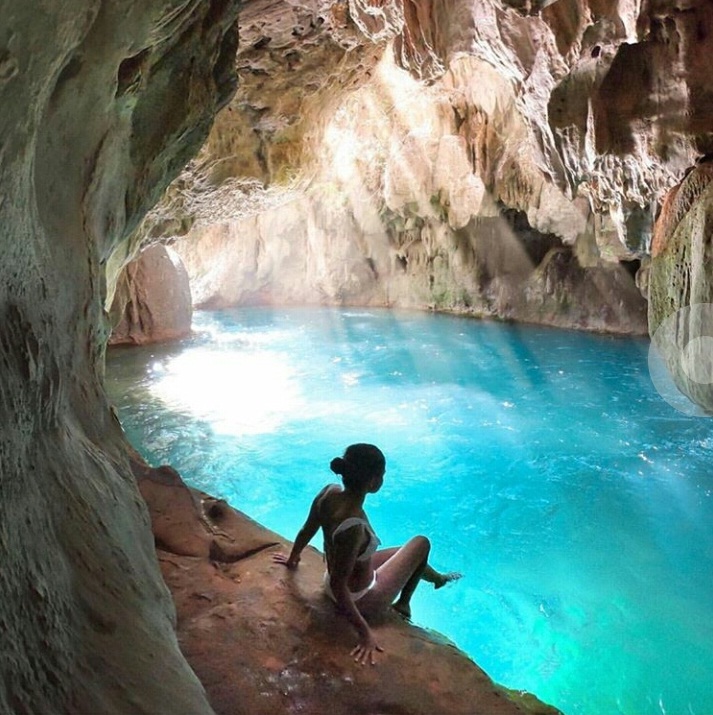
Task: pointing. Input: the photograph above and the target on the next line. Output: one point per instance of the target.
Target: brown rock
(152, 302)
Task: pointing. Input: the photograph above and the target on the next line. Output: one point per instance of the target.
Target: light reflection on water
(541, 463)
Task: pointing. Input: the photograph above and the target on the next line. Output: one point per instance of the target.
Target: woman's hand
(364, 652)
(289, 561)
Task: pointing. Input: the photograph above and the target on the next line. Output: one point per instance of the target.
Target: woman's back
(340, 519)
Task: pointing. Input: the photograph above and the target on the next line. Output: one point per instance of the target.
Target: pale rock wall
(681, 286)
(408, 209)
(295, 63)
(100, 104)
(577, 114)
(281, 256)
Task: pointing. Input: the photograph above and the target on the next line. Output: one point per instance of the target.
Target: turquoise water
(541, 463)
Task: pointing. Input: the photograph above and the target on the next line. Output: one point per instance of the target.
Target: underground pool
(543, 464)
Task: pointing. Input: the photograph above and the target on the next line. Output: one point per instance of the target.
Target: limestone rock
(522, 106)
(295, 62)
(264, 640)
(496, 267)
(101, 103)
(152, 302)
(409, 172)
(681, 285)
(426, 172)
(397, 216)
(565, 294)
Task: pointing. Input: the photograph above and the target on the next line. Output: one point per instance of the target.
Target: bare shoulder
(332, 509)
(325, 495)
(328, 489)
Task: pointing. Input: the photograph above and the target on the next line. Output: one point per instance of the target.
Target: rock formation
(681, 285)
(397, 215)
(554, 130)
(390, 193)
(101, 104)
(543, 125)
(152, 301)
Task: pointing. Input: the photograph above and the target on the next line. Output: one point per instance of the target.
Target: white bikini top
(373, 543)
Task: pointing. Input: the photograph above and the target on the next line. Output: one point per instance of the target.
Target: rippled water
(541, 463)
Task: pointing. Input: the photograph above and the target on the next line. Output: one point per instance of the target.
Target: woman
(360, 579)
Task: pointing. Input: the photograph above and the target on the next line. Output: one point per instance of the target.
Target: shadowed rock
(101, 104)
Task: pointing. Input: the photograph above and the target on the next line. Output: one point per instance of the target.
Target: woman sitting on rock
(361, 579)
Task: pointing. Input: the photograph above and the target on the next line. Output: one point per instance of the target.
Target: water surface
(541, 463)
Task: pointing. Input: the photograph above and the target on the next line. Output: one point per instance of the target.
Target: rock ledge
(264, 640)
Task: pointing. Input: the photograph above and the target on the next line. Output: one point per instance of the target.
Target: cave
(549, 145)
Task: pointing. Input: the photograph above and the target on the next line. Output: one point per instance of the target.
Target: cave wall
(152, 301)
(409, 207)
(681, 286)
(578, 115)
(101, 104)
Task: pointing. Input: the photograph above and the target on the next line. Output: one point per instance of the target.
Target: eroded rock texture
(574, 116)
(412, 205)
(681, 285)
(101, 103)
(540, 147)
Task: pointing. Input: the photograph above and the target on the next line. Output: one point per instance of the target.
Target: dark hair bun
(338, 466)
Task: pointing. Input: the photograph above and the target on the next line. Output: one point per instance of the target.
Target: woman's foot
(441, 579)
(403, 609)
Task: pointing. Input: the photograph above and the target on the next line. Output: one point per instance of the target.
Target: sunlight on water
(542, 464)
(239, 394)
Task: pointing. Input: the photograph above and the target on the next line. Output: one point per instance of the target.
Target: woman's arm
(305, 534)
(344, 554)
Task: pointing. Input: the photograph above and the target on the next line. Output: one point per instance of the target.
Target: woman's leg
(398, 572)
(430, 575)
(382, 555)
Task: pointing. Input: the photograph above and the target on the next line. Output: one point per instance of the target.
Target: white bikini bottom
(356, 595)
